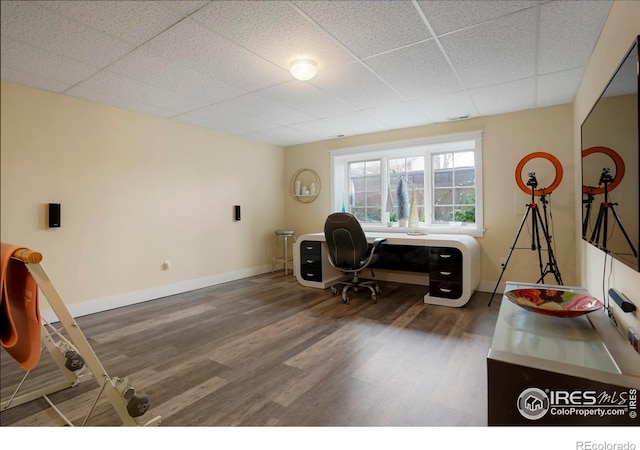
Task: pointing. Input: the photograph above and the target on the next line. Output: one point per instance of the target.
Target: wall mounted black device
(54, 215)
(236, 212)
(622, 301)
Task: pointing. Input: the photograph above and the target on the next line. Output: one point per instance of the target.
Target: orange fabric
(20, 329)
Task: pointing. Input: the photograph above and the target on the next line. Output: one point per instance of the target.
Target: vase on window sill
(414, 221)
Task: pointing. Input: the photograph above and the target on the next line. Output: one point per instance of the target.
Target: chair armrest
(374, 245)
(377, 242)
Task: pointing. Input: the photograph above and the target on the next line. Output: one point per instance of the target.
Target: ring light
(617, 160)
(549, 157)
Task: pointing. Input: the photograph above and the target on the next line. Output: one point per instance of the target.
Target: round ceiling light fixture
(303, 69)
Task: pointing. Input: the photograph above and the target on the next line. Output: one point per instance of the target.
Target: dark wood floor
(267, 351)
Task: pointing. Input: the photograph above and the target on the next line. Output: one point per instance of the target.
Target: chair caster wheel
(138, 405)
(334, 291)
(374, 298)
(345, 300)
(74, 361)
(378, 290)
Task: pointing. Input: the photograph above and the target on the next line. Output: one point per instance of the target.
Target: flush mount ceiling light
(303, 69)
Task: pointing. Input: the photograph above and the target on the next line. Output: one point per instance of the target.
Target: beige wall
(621, 28)
(135, 191)
(506, 140)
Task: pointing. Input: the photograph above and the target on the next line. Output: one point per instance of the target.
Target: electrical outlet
(613, 319)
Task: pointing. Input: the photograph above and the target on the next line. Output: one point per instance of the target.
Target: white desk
(574, 365)
(448, 264)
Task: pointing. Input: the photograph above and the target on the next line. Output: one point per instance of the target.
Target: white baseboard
(145, 295)
(131, 298)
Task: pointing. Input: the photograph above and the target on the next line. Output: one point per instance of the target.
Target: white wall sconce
(303, 69)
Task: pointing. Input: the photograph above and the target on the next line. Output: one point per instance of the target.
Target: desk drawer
(311, 271)
(446, 272)
(445, 255)
(311, 248)
(444, 289)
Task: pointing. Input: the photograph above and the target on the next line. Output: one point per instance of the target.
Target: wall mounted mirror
(610, 166)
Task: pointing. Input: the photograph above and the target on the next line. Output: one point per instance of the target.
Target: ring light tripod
(602, 222)
(539, 227)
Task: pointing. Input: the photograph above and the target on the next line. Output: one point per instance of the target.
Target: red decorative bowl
(552, 302)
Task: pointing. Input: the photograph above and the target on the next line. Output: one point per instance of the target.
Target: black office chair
(350, 253)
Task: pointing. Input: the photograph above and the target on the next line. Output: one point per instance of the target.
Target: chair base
(356, 285)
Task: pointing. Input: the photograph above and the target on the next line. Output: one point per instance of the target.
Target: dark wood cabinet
(445, 272)
(311, 260)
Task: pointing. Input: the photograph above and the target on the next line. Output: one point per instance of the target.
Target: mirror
(610, 183)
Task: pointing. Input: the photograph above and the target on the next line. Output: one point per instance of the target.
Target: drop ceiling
(383, 64)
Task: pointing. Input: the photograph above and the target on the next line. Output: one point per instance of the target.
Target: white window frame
(423, 147)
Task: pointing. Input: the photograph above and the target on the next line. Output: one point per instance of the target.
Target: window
(441, 175)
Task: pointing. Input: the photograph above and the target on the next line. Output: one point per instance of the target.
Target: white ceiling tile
(39, 63)
(221, 114)
(109, 83)
(119, 102)
(368, 27)
(193, 46)
(320, 128)
(149, 68)
(505, 97)
(355, 85)
(224, 65)
(450, 15)
(32, 80)
(568, 33)
(226, 124)
(303, 96)
(401, 115)
(353, 124)
(558, 88)
(274, 30)
(42, 28)
(416, 71)
(283, 136)
(502, 50)
(185, 7)
(131, 21)
(439, 109)
(253, 105)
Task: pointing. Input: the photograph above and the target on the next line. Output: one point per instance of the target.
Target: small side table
(281, 237)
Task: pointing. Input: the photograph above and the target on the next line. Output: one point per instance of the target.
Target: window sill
(434, 229)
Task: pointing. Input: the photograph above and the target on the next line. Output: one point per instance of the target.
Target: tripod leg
(524, 219)
(595, 235)
(536, 223)
(585, 221)
(551, 264)
(624, 232)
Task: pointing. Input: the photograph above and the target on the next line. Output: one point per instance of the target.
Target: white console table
(545, 370)
(448, 264)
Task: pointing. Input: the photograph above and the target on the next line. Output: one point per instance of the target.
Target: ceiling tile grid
(34, 62)
(446, 16)
(416, 71)
(367, 28)
(383, 64)
(33, 24)
(274, 30)
(499, 51)
(504, 97)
